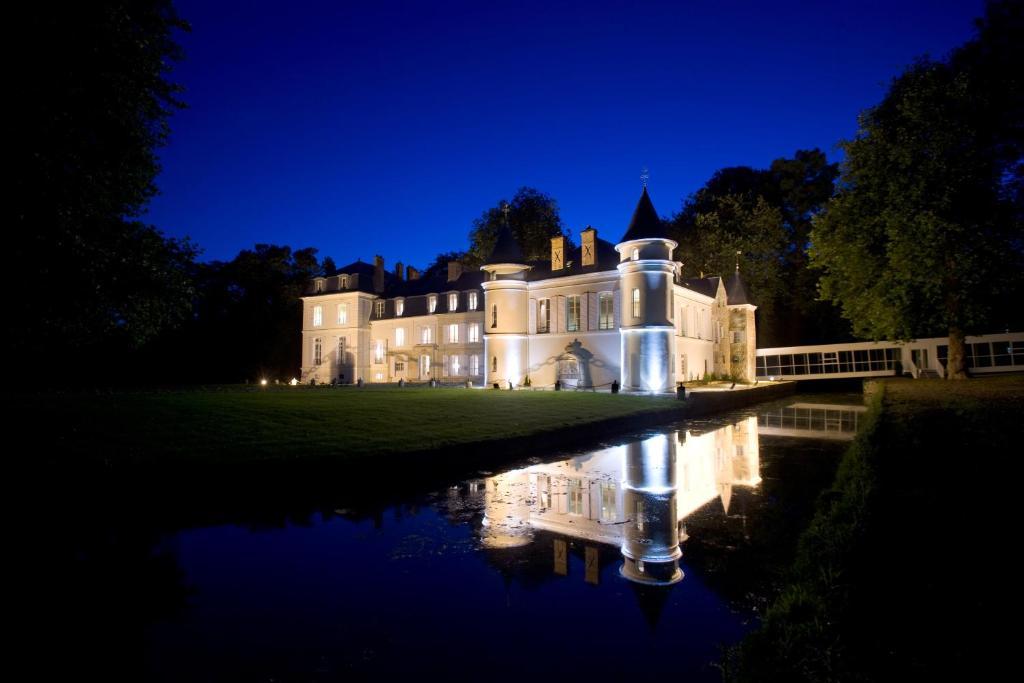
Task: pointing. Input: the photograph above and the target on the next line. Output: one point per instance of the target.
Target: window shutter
(592, 310)
(616, 306)
(585, 311)
(559, 313)
(532, 320)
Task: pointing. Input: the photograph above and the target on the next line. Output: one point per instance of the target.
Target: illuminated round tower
(650, 544)
(506, 310)
(646, 275)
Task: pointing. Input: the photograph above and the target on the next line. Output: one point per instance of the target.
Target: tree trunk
(955, 358)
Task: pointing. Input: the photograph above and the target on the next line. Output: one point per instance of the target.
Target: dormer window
(453, 301)
(432, 303)
(380, 309)
(318, 286)
(472, 301)
(343, 282)
(399, 307)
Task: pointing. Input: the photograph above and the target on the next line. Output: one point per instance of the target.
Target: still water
(648, 555)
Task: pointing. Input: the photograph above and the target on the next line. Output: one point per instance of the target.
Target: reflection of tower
(506, 310)
(507, 511)
(646, 274)
(650, 544)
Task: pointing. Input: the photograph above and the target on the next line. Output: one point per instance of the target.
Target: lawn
(237, 424)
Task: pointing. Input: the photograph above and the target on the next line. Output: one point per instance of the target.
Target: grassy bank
(903, 572)
(229, 425)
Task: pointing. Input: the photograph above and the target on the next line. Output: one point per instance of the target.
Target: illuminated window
(543, 316)
(575, 502)
(343, 281)
(318, 351)
(400, 336)
(399, 307)
(472, 301)
(636, 303)
(606, 320)
(474, 332)
(378, 376)
(453, 333)
(318, 316)
(572, 313)
(378, 351)
(424, 366)
(431, 303)
(319, 286)
(608, 501)
(474, 364)
(456, 366)
(426, 335)
(636, 254)
(494, 315)
(380, 309)
(343, 314)
(453, 301)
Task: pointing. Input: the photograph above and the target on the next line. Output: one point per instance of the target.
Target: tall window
(474, 364)
(424, 365)
(572, 313)
(456, 366)
(343, 314)
(575, 497)
(472, 301)
(380, 309)
(341, 350)
(343, 281)
(453, 333)
(318, 316)
(636, 303)
(606, 302)
(399, 306)
(426, 335)
(474, 332)
(453, 301)
(400, 336)
(378, 351)
(543, 315)
(636, 254)
(608, 500)
(432, 303)
(319, 286)
(494, 315)
(318, 351)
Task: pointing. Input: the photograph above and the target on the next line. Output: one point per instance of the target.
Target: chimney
(378, 274)
(454, 271)
(412, 273)
(399, 271)
(557, 253)
(589, 248)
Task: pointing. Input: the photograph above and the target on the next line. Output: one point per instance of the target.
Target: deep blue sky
(379, 127)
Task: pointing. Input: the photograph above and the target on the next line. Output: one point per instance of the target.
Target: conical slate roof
(645, 223)
(735, 292)
(506, 248)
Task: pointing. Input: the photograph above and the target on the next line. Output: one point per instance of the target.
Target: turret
(646, 273)
(741, 342)
(506, 311)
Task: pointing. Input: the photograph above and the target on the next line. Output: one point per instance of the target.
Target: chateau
(586, 317)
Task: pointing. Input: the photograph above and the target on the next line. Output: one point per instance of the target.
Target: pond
(647, 555)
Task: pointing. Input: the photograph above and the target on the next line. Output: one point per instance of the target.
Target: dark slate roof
(506, 248)
(708, 286)
(606, 258)
(416, 295)
(645, 222)
(735, 292)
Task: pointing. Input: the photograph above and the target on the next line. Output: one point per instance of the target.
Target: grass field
(239, 424)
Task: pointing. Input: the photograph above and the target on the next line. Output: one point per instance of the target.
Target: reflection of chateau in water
(635, 496)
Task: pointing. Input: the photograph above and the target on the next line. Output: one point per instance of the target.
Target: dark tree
(92, 106)
(925, 235)
(534, 219)
(439, 266)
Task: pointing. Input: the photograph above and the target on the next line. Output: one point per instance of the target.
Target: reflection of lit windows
(453, 301)
(474, 364)
(343, 314)
(453, 333)
(543, 316)
(572, 313)
(424, 366)
(318, 316)
(318, 351)
(432, 303)
(544, 484)
(606, 320)
(378, 351)
(400, 336)
(608, 500)
(426, 335)
(474, 332)
(575, 497)
(472, 301)
(636, 303)
(639, 515)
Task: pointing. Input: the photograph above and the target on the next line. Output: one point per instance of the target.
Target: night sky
(386, 128)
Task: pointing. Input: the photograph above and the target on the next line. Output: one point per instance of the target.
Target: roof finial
(645, 175)
(738, 252)
(505, 209)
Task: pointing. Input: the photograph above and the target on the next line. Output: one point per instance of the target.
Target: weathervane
(644, 175)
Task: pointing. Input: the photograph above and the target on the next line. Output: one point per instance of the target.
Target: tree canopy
(924, 235)
(534, 219)
(90, 115)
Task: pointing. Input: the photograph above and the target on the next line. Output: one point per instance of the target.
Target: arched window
(494, 315)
